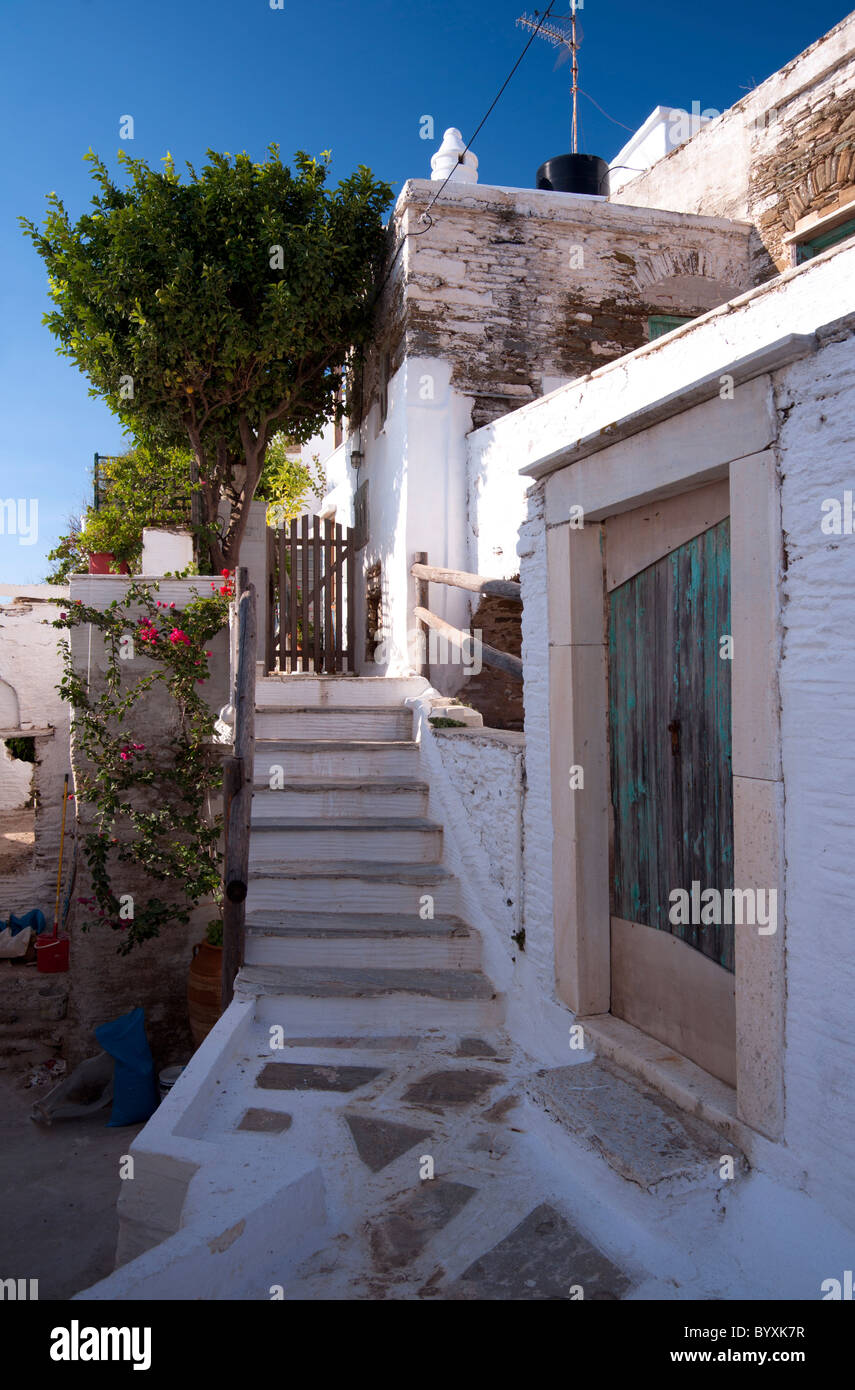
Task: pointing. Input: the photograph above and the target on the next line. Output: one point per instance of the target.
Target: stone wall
(104, 984)
(786, 149)
(496, 695)
(521, 290)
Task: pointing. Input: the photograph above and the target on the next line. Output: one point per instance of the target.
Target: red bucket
(52, 955)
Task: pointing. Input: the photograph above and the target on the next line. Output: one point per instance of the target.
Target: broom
(59, 870)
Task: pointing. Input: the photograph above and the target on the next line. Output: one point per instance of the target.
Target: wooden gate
(311, 566)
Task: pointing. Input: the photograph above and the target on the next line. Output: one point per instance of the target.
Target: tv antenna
(563, 32)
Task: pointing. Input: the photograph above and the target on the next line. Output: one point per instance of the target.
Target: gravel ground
(58, 1191)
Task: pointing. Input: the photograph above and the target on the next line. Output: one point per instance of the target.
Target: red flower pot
(101, 562)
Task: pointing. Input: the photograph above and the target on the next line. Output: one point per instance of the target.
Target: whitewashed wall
(31, 664)
(815, 421)
(816, 401)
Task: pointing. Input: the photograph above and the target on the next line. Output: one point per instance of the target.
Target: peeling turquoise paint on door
(670, 737)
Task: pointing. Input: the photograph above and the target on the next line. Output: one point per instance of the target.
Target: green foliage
(22, 748)
(69, 556)
(142, 488)
(148, 805)
(217, 311)
(214, 932)
(286, 482)
(439, 722)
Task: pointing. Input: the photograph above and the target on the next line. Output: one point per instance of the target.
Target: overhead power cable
(425, 216)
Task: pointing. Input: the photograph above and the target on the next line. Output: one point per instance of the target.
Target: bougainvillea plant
(150, 806)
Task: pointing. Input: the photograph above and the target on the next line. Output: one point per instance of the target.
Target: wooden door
(672, 798)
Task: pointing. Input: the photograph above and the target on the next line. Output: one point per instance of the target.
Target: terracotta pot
(204, 985)
(101, 562)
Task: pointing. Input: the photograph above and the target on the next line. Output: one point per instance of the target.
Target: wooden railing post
(270, 598)
(422, 589)
(237, 791)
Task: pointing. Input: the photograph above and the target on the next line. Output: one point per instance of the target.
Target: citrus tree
(215, 311)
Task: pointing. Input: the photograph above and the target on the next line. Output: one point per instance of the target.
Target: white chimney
(447, 160)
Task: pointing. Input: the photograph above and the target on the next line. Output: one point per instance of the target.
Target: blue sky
(351, 77)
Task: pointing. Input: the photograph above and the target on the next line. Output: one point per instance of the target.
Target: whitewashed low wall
(477, 783)
(486, 768)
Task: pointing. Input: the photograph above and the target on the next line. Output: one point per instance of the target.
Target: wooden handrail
(503, 661)
(237, 790)
(462, 579)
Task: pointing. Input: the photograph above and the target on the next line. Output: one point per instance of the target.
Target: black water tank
(574, 173)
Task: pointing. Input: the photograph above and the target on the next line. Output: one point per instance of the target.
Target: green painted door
(669, 728)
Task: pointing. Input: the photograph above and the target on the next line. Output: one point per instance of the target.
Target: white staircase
(352, 923)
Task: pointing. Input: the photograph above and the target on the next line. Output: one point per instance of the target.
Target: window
(383, 390)
(374, 610)
(813, 246)
(660, 324)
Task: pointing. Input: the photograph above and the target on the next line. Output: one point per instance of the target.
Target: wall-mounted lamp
(357, 459)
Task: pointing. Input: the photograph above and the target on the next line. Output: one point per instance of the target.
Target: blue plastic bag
(35, 918)
(135, 1093)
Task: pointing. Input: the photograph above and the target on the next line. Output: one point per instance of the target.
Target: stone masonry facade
(785, 151)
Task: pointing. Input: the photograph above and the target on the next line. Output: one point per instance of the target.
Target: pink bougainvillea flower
(63, 616)
(176, 635)
(140, 747)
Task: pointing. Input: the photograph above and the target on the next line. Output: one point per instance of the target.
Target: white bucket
(167, 1079)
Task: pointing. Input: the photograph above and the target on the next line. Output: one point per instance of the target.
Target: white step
(330, 761)
(351, 940)
(339, 982)
(314, 724)
(387, 841)
(313, 800)
(339, 691)
(349, 887)
(371, 1016)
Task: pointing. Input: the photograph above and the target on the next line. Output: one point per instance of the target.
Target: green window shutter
(806, 250)
(659, 324)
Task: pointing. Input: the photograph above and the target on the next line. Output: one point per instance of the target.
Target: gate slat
(351, 602)
(304, 605)
(283, 602)
(270, 597)
(316, 590)
(328, 618)
(295, 571)
(339, 596)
